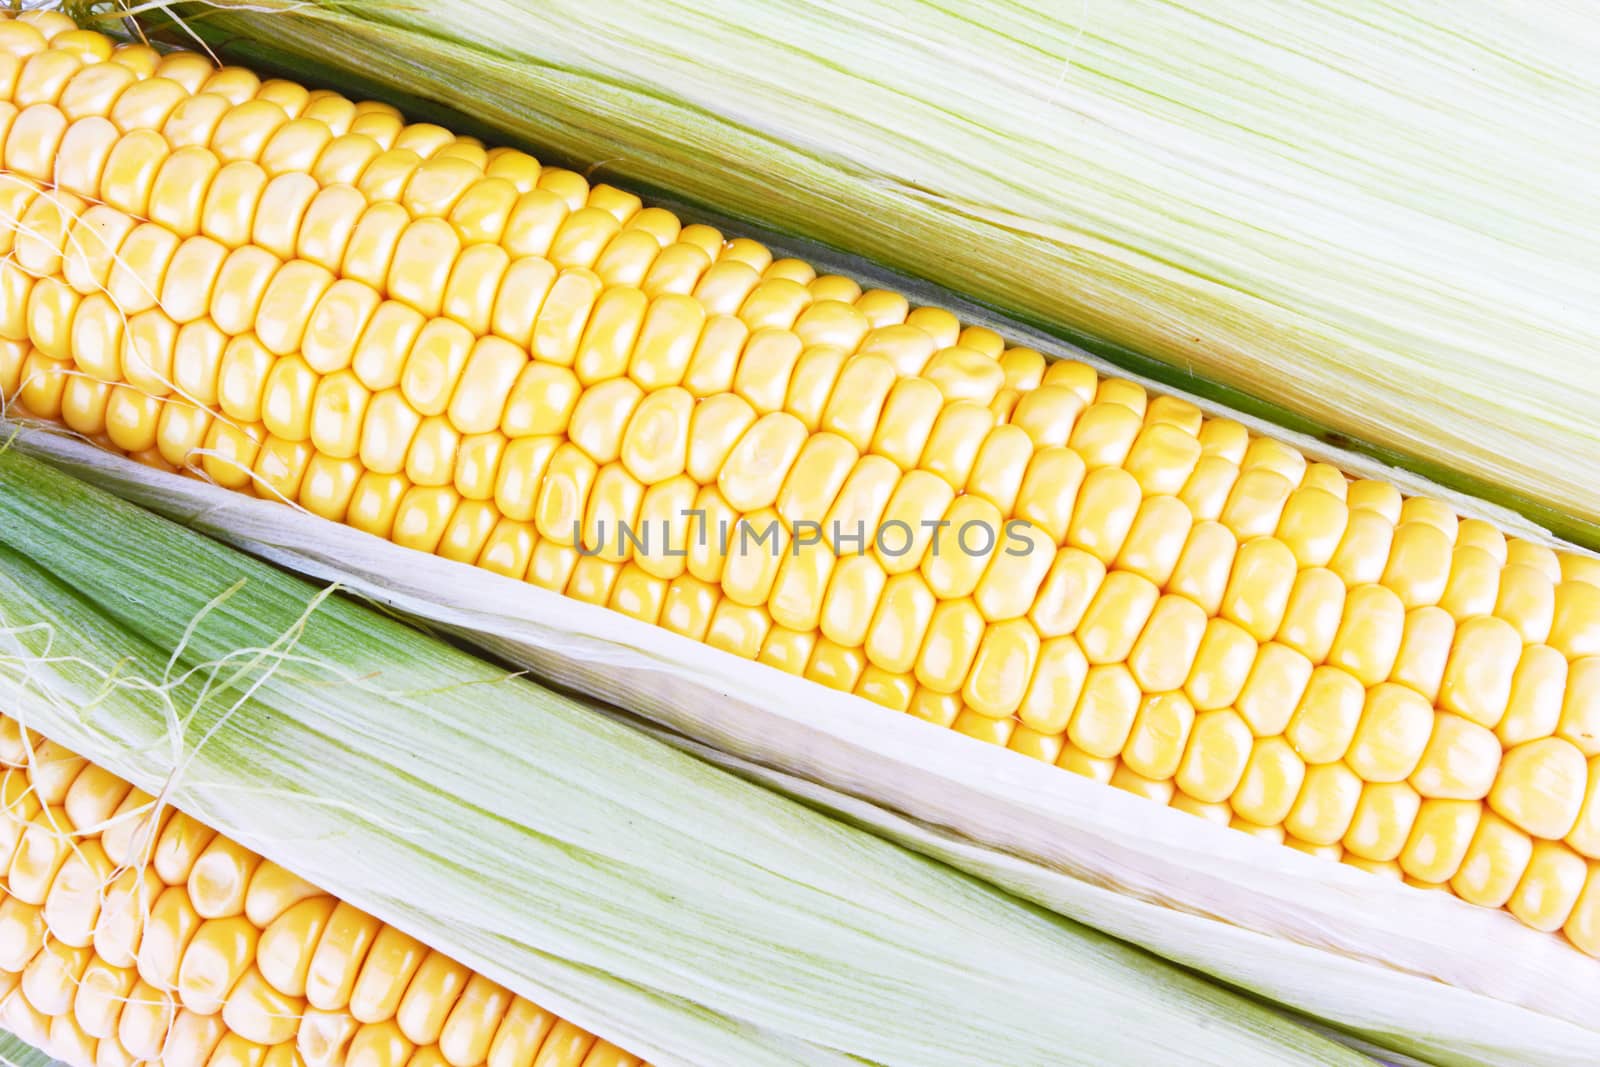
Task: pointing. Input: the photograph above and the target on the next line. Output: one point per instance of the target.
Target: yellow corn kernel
(1550, 886)
(1203, 567)
(23, 928)
(1527, 600)
(1537, 556)
(167, 931)
(186, 289)
(273, 892)
(1378, 497)
(1154, 544)
(1003, 668)
(1363, 552)
(790, 650)
(715, 429)
(1394, 731)
(259, 1013)
(288, 943)
(816, 375)
(756, 467)
(986, 728)
(756, 547)
(124, 907)
(1368, 640)
(72, 907)
(1580, 710)
(1214, 762)
(1257, 594)
(1540, 786)
(1271, 783)
(1124, 778)
(1460, 761)
(738, 628)
(1419, 564)
(964, 374)
(92, 798)
(1104, 434)
(839, 667)
(379, 1045)
(1479, 675)
(1274, 689)
(1115, 617)
(1256, 503)
(1424, 651)
(1048, 416)
(331, 976)
(1312, 526)
(1104, 717)
(1324, 723)
(1108, 502)
(386, 973)
(102, 990)
(1439, 839)
(1494, 863)
(1048, 495)
(1221, 666)
(145, 1020)
(1585, 833)
(42, 849)
(1329, 799)
(1095, 768)
(1575, 623)
(1383, 819)
(954, 632)
(213, 961)
(1162, 459)
(1164, 654)
(954, 444)
(1583, 925)
(1026, 741)
(1219, 813)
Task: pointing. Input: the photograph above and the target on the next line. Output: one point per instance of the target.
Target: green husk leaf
(1365, 222)
(15, 1052)
(667, 904)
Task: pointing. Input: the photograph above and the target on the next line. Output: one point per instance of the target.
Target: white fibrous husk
(1420, 972)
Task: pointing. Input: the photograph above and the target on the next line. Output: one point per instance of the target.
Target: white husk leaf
(683, 913)
(1421, 972)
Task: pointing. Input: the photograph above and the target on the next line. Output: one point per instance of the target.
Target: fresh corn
(130, 932)
(471, 355)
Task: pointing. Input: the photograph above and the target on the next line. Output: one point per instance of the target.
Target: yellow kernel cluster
(131, 933)
(472, 355)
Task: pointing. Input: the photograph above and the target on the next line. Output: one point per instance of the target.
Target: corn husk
(1423, 973)
(1371, 222)
(684, 914)
(17, 1053)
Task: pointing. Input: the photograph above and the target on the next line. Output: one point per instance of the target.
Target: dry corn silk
(467, 354)
(474, 356)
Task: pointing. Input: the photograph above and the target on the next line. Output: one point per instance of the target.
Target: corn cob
(131, 932)
(459, 350)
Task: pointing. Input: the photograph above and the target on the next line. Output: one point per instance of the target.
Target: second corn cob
(132, 933)
(472, 355)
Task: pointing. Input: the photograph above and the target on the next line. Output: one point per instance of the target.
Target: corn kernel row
(471, 355)
(132, 933)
